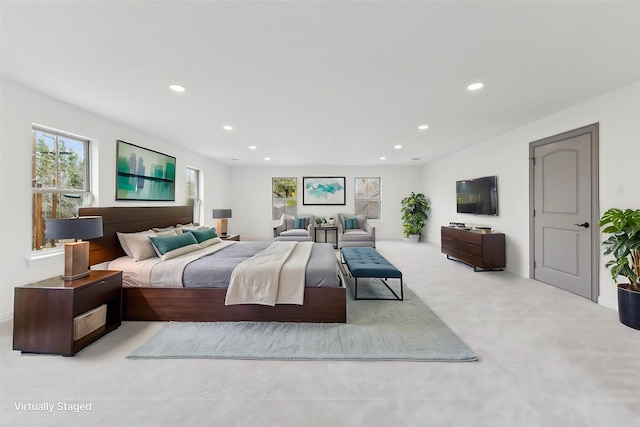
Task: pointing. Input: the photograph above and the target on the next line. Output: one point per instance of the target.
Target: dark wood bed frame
(321, 305)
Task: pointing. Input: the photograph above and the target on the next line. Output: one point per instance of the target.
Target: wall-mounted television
(478, 196)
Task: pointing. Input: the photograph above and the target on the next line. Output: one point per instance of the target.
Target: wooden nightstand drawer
(44, 312)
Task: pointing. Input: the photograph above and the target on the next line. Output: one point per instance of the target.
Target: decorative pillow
(184, 225)
(172, 246)
(194, 227)
(288, 220)
(350, 223)
(137, 245)
(204, 234)
(210, 242)
(161, 230)
(300, 223)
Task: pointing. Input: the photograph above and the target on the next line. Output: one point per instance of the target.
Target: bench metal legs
(397, 298)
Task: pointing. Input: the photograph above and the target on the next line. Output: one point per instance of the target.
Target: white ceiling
(323, 83)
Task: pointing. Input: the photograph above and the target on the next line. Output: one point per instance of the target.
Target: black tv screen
(477, 196)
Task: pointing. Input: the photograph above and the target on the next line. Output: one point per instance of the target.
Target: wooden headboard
(127, 219)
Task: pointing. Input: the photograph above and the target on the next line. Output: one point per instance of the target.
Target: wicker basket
(88, 322)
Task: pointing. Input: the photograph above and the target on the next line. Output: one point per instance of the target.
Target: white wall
(247, 189)
(618, 113)
(20, 108)
(251, 196)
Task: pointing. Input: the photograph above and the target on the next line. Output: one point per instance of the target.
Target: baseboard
(606, 302)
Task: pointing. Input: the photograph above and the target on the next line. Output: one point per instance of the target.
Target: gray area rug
(375, 330)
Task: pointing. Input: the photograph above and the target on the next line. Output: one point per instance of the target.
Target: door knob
(584, 224)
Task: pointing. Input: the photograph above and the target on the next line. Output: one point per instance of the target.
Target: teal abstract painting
(323, 190)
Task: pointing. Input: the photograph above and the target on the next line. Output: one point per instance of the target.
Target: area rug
(375, 330)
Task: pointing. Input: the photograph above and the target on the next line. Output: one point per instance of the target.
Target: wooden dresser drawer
(480, 250)
(471, 259)
(471, 248)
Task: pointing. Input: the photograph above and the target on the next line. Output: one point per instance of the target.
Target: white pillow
(138, 246)
(210, 242)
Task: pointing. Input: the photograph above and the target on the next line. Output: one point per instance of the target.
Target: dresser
(481, 251)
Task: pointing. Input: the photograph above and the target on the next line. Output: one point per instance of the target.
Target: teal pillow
(350, 223)
(202, 235)
(301, 222)
(171, 243)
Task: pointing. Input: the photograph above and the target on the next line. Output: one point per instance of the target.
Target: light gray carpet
(375, 330)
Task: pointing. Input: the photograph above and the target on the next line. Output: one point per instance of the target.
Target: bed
(197, 304)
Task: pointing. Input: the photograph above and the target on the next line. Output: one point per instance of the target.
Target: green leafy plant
(623, 243)
(415, 212)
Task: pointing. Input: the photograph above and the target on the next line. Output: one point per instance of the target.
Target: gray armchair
(357, 232)
(298, 228)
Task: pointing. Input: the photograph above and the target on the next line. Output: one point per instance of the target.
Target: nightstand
(56, 316)
(235, 237)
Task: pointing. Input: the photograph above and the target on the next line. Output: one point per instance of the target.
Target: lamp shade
(221, 213)
(82, 227)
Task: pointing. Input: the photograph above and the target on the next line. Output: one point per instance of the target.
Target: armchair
(357, 232)
(298, 228)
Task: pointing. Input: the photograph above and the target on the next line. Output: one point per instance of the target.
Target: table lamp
(76, 254)
(221, 215)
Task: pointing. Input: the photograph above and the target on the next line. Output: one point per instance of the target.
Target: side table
(325, 229)
(235, 237)
(45, 313)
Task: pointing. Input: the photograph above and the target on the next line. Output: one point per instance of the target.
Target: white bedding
(158, 273)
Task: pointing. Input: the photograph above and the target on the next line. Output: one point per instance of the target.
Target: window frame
(84, 194)
(197, 200)
(377, 199)
(285, 199)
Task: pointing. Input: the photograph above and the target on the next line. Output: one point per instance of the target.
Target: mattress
(213, 270)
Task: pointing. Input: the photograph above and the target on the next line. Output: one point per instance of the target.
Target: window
(59, 180)
(193, 192)
(283, 197)
(368, 197)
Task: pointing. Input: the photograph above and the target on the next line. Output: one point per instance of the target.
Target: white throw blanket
(274, 276)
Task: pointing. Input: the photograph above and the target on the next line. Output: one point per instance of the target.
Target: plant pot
(413, 238)
(629, 306)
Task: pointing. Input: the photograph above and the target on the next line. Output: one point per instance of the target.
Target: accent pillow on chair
(350, 223)
(300, 223)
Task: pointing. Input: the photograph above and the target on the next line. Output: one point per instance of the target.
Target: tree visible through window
(283, 197)
(193, 192)
(368, 197)
(60, 180)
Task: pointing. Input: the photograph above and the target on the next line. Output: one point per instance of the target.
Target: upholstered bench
(368, 263)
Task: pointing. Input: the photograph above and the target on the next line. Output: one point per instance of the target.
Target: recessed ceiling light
(267, 158)
(397, 147)
(475, 86)
(252, 147)
(177, 88)
(423, 127)
(227, 127)
(383, 158)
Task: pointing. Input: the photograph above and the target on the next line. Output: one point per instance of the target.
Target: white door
(565, 211)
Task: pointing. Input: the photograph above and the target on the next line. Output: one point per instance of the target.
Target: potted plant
(624, 244)
(415, 212)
